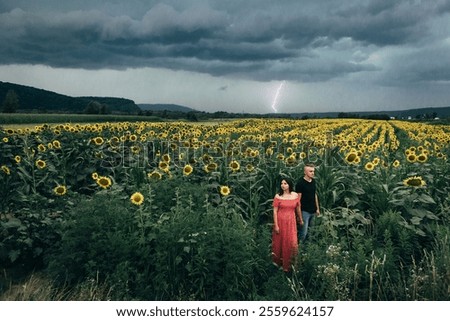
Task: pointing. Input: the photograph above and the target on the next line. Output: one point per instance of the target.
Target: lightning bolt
(275, 99)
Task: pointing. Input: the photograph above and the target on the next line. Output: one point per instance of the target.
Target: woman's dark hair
(290, 183)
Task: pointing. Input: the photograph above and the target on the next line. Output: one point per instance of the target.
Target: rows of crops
(185, 209)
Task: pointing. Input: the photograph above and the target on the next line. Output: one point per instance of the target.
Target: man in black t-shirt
(309, 201)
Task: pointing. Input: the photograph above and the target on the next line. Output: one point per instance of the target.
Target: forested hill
(39, 100)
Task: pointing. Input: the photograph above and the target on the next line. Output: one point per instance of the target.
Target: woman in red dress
(286, 207)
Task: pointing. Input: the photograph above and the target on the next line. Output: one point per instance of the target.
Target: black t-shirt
(308, 191)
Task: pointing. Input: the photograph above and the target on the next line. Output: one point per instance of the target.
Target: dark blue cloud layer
(256, 40)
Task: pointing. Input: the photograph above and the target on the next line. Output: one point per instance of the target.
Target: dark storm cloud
(256, 40)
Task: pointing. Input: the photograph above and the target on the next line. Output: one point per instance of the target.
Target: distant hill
(169, 107)
(39, 100)
(425, 112)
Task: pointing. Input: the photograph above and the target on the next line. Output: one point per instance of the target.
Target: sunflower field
(183, 211)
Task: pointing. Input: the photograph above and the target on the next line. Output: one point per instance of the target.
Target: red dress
(284, 244)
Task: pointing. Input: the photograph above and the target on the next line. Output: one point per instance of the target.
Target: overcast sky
(238, 56)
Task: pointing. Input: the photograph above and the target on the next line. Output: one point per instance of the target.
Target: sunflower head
(422, 158)
(104, 182)
(41, 148)
(225, 190)
(235, 166)
(414, 181)
(60, 190)
(396, 163)
(98, 140)
(137, 198)
(369, 166)
(411, 158)
(154, 175)
(211, 167)
(41, 164)
(351, 157)
(250, 168)
(187, 170)
(163, 166)
(5, 170)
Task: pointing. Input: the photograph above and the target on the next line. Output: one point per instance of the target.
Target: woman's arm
(276, 228)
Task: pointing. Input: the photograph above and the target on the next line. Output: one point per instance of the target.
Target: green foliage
(99, 237)
(11, 102)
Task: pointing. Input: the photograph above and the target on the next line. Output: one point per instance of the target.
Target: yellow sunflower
(411, 158)
(154, 175)
(369, 166)
(422, 158)
(290, 160)
(163, 166)
(41, 164)
(234, 166)
(56, 144)
(187, 170)
(250, 168)
(210, 167)
(42, 148)
(94, 176)
(225, 190)
(414, 181)
(60, 190)
(396, 163)
(6, 170)
(18, 159)
(104, 182)
(98, 140)
(137, 198)
(351, 157)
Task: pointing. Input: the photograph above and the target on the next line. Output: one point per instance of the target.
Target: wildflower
(187, 170)
(60, 190)
(137, 198)
(154, 175)
(290, 160)
(135, 149)
(411, 158)
(56, 144)
(235, 166)
(414, 181)
(94, 176)
(250, 168)
(41, 164)
(42, 148)
(98, 140)
(18, 159)
(166, 158)
(5, 139)
(396, 163)
(422, 158)
(225, 190)
(163, 166)
(210, 167)
(104, 182)
(351, 157)
(114, 141)
(369, 166)
(6, 170)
